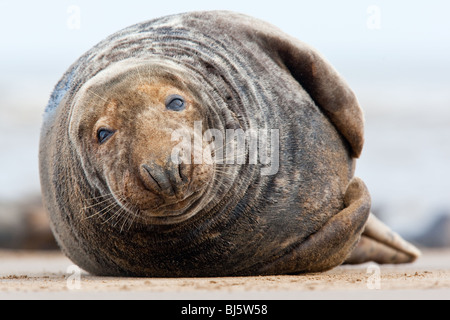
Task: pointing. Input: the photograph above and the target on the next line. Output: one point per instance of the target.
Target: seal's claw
(382, 245)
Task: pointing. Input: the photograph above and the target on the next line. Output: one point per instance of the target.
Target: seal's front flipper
(330, 245)
(382, 245)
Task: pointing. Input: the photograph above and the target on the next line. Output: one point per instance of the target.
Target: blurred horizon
(395, 56)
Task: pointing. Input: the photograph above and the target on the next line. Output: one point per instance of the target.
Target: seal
(133, 166)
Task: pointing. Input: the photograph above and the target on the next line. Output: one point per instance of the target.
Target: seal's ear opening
(325, 86)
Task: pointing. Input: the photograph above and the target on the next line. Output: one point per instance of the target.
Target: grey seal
(121, 204)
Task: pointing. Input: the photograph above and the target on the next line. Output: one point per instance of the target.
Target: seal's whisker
(223, 187)
(128, 218)
(222, 183)
(224, 168)
(125, 213)
(97, 95)
(104, 99)
(109, 195)
(118, 201)
(120, 215)
(221, 170)
(223, 176)
(117, 213)
(132, 209)
(225, 145)
(229, 162)
(233, 158)
(132, 220)
(224, 173)
(102, 212)
(99, 203)
(125, 218)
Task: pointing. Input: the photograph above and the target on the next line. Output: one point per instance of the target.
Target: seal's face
(124, 138)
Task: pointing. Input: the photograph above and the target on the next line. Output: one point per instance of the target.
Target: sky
(47, 36)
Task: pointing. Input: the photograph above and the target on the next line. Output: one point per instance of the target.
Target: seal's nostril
(182, 172)
(160, 180)
(149, 180)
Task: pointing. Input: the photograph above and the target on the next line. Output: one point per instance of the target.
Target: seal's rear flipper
(382, 245)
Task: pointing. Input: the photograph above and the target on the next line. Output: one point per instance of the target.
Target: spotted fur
(238, 72)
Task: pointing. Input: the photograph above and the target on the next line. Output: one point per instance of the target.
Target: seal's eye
(103, 135)
(175, 103)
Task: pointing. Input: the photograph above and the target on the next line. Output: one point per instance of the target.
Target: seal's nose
(168, 181)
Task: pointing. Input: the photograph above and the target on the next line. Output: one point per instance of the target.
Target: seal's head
(122, 127)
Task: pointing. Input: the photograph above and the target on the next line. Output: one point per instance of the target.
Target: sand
(49, 275)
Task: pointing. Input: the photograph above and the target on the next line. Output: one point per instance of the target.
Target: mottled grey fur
(250, 75)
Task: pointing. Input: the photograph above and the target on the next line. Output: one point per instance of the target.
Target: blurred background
(394, 54)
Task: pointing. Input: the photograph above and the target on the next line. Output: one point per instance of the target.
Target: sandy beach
(49, 275)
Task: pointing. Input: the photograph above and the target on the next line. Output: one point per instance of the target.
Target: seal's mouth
(174, 213)
(174, 209)
(148, 208)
